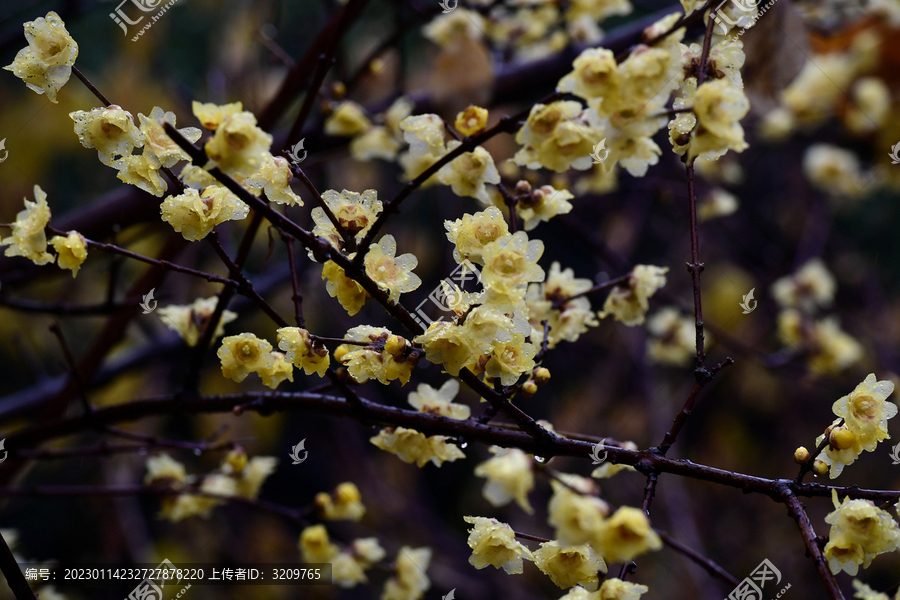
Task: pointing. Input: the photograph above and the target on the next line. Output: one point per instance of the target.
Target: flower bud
(801, 455)
(541, 375)
(395, 345)
(841, 438)
(820, 467)
(237, 460)
(529, 388)
(340, 351)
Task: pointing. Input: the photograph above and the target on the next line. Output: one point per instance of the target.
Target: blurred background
(750, 419)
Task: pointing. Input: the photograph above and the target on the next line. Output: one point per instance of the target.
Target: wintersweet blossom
(570, 565)
(376, 142)
(625, 535)
(164, 469)
(274, 176)
(629, 304)
(471, 233)
(860, 531)
(718, 203)
(468, 173)
(141, 172)
(355, 212)
(558, 136)
(349, 293)
(194, 214)
(575, 510)
(439, 401)
(552, 301)
(509, 477)
(833, 170)
(594, 77)
(159, 148)
(719, 107)
(542, 204)
(811, 286)
(411, 446)
(251, 475)
(279, 370)
(864, 592)
(830, 349)
(244, 354)
(46, 64)
(461, 23)
(385, 357)
(71, 251)
(191, 320)
(510, 264)
(344, 504)
(298, 349)
(410, 580)
(510, 360)
(315, 545)
(471, 121)
(424, 134)
(447, 345)
(110, 130)
(392, 273)
(616, 589)
(239, 147)
(347, 119)
(211, 115)
(673, 342)
(28, 238)
(494, 543)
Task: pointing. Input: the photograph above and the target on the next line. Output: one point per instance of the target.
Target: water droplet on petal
(540, 459)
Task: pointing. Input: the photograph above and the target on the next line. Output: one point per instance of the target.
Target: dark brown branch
(795, 509)
(15, 578)
(77, 72)
(708, 564)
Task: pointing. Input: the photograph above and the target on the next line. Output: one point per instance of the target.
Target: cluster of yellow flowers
(191, 320)
(861, 423)
(860, 531)
(29, 239)
(348, 564)
(237, 476)
(588, 536)
(812, 287)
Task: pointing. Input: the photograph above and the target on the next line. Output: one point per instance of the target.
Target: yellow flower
(377, 142)
(424, 134)
(625, 535)
(870, 107)
(811, 286)
(191, 320)
(46, 64)
(831, 350)
(472, 120)
(197, 177)
(194, 214)
(346, 571)
(244, 354)
(164, 469)
(367, 551)
(510, 360)
(278, 371)
(630, 304)
(467, 174)
(211, 115)
(401, 108)
(28, 238)
(575, 510)
(833, 170)
(543, 204)
(558, 136)
(412, 446)
(598, 10)
(594, 77)
(814, 92)
(109, 130)
(315, 545)
(569, 321)
(253, 475)
(349, 293)
(355, 212)
(494, 543)
(510, 264)
(719, 107)
(348, 119)
(616, 589)
(390, 272)
(865, 411)
(860, 531)
(447, 345)
(71, 251)
(458, 25)
(439, 402)
(647, 76)
(410, 581)
(142, 172)
(509, 477)
(275, 177)
(159, 147)
(471, 233)
(570, 565)
(345, 504)
(718, 203)
(312, 358)
(864, 592)
(386, 358)
(674, 338)
(239, 147)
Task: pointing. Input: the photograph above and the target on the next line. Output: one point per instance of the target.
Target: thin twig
(795, 509)
(77, 72)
